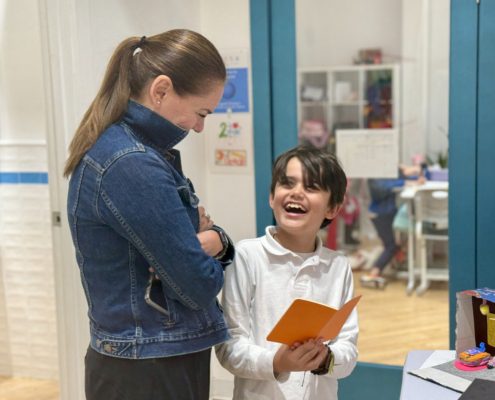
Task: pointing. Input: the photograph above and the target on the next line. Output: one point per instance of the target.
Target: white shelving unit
(350, 97)
(359, 106)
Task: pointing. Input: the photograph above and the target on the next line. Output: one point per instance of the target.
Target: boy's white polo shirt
(259, 286)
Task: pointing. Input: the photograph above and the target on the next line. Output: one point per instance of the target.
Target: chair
(431, 216)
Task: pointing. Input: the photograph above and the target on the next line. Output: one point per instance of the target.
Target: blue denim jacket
(131, 208)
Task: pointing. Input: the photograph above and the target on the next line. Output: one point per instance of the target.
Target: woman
(131, 210)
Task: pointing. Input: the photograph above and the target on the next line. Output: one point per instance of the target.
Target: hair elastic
(138, 48)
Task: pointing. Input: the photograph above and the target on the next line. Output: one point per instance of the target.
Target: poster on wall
(368, 153)
(229, 140)
(235, 94)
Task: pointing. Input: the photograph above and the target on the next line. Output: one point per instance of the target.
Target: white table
(407, 195)
(414, 388)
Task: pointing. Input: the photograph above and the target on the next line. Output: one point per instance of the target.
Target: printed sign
(229, 142)
(235, 93)
(230, 158)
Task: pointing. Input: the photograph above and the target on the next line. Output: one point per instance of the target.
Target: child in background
(383, 209)
(289, 262)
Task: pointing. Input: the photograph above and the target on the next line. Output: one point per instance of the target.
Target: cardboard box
(472, 325)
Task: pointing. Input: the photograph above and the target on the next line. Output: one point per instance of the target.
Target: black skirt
(184, 377)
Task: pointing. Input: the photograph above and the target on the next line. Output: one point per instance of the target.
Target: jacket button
(107, 347)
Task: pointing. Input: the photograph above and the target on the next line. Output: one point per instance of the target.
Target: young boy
(307, 191)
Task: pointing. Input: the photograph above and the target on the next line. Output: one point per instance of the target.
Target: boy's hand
(304, 357)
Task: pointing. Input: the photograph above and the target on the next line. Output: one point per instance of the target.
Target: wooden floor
(391, 324)
(28, 389)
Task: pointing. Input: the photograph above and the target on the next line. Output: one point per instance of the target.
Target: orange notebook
(306, 319)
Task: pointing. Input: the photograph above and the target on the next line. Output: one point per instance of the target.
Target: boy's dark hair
(321, 170)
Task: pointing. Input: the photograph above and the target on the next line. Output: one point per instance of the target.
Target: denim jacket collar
(152, 129)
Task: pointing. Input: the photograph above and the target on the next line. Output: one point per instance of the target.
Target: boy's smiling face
(299, 210)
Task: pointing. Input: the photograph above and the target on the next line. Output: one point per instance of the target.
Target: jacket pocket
(155, 298)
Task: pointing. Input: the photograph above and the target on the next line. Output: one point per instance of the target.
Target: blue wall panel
(372, 382)
(274, 79)
(284, 76)
(462, 150)
(262, 109)
(23, 178)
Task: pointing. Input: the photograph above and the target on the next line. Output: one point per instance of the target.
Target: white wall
(330, 32)
(414, 33)
(230, 198)
(425, 76)
(28, 333)
(413, 74)
(21, 77)
(438, 77)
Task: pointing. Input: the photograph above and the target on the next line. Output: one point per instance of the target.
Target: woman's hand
(205, 222)
(210, 242)
(305, 357)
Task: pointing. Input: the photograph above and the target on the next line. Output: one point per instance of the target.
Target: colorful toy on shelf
(484, 308)
(475, 356)
(475, 317)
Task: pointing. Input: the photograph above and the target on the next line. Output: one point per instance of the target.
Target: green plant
(442, 159)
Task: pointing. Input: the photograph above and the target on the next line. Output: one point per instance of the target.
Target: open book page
(306, 319)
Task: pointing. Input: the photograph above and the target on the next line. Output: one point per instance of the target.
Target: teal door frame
(485, 229)
(463, 127)
(273, 47)
(262, 108)
(471, 141)
(471, 144)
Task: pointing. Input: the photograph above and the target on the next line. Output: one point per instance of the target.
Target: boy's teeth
(294, 207)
